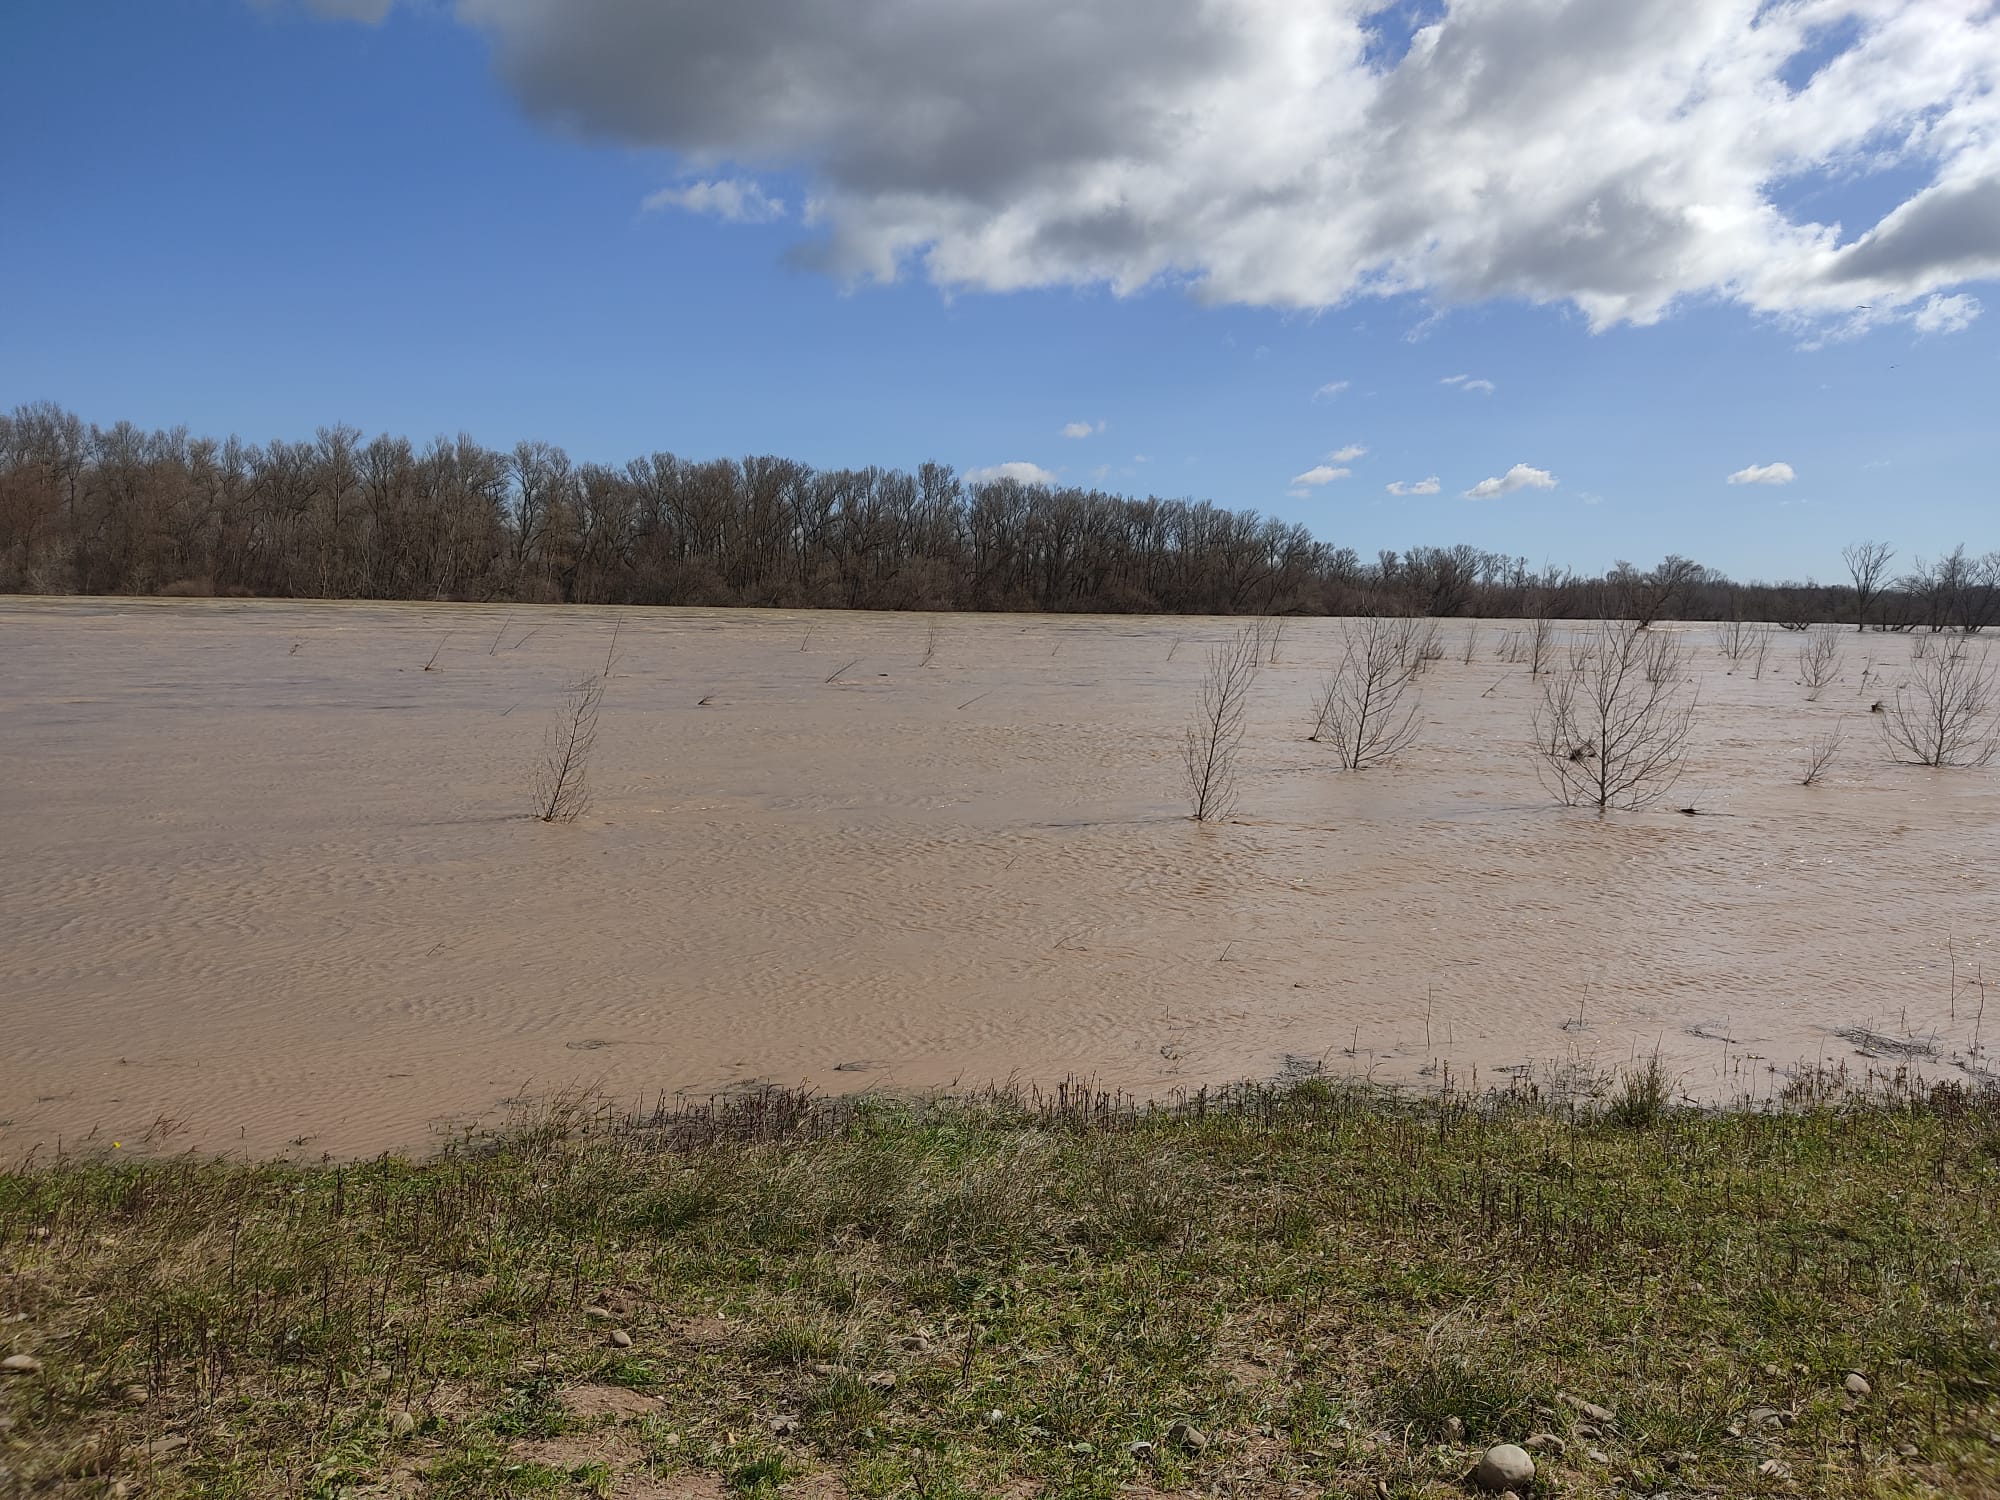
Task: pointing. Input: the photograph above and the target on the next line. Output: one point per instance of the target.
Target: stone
(1856, 1384)
(916, 1343)
(21, 1364)
(1596, 1456)
(599, 1314)
(1906, 1450)
(995, 1417)
(1540, 1440)
(1141, 1451)
(1188, 1438)
(784, 1426)
(1504, 1467)
(827, 1372)
(165, 1447)
(401, 1424)
(1454, 1429)
(882, 1382)
(620, 1339)
(1775, 1468)
(1596, 1413)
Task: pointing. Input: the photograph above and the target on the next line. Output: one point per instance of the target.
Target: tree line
(120, 510)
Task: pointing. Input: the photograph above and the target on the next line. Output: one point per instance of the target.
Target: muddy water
(268, 881)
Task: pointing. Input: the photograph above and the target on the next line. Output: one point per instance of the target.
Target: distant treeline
(118, 510)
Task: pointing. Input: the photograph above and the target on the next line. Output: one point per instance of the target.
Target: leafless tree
(1471, 645)
(1276, 634)
(1760, 651)
(1947, 714)
(1867, 564)
(1820, 754)
(1212, 740)
(1734, 639)
(1667, 658)
(1606, 734)
(1367, 708)
(1819, 661)
(562, 781)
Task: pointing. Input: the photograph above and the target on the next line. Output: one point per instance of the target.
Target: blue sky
(261, 219)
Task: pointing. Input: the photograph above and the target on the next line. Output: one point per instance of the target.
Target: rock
(995, 1417)
(401, 1424)
(1141, 1451)
(916, 1343)
(1596, 1456)
(881, 1382)
(1856, 1384)
(1906, 1450)
(620, 1339)
(1762, 1416)
(1541, 1440)
(1454, 1429)
(1596, 1413)
(1775, 1468)
(165, 1447)
(136, 1395)
(1504, 1467)
(1188, 1438)
(599, 1314)
(827, 1372)
(784, 1426)
(21, 1364)
(1081, 1450)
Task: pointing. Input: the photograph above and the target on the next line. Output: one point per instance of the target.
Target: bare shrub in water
(1946, 715)
(1819, 661)
(1607, 734)
(1210, 744)
(1667, 658)
(562, 781)
(1367, 707)
(1820, 755)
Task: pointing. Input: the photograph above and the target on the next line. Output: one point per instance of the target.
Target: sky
(1565, 279)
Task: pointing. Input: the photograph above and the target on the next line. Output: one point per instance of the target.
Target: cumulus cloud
(1082, 429)
(1416, 486)
(1019, 471)
(1467, 383)
(1322, 474)
(1331, 389)
(1520, 477)
(1764, 474)
(728, 198)
(1348, 454)
(1617, 157)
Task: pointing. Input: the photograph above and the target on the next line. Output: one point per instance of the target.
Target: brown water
(269, 880)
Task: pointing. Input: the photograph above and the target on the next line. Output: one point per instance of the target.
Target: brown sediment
(269, 880)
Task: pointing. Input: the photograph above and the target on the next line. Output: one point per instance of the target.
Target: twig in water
(495, 647)
(970, 701)
(431, 665)
(855, 663)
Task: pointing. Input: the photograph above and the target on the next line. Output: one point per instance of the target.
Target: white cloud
(1520, 477)
(1331, 389)
(1082, 429)
(1621, 157)
(1323, 474)
(1467, 383)
(1019, 471)
(368, 12)
(1348, 454)
(1764, 474)
(730, 198)
(1946, 314)
(1414, 487)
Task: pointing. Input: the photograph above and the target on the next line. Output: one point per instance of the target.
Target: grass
(1001, 1296)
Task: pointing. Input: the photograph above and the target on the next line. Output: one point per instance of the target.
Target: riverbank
(1275, 1291)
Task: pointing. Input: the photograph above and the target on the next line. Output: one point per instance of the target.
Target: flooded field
(271, 878)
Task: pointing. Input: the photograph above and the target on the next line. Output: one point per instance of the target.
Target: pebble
(1454, 1429)
(1856, 1384)
(620, 1339)
(1775, 1468)
(1543, 1440)
(401, 1424)
(784, 1426)
(995, 1417)
(165, 1447)
(916, 1343)
(1906, 1450)
(21, 1364)
(882, 1382)
(1188, 1438)
(1596, 1456)
(1141, 1451)
(601, 1314)
(1504, 1467)
(1591, 1410)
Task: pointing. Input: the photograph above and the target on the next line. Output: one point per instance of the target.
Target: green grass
(1326, 1281)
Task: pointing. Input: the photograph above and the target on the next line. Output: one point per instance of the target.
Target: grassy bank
(780, 1296)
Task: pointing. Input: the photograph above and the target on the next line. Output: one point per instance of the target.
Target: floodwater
(269, 883)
